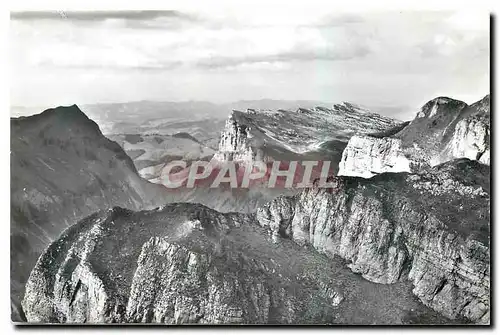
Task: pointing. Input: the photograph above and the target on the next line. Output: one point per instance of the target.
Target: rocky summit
(250, 166)
(396, 249)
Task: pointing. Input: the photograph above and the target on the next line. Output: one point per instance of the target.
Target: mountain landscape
(244, 165)
(402, 236)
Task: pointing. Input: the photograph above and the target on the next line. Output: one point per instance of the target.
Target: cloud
(112, 44)
(290, 56)
(99, 15)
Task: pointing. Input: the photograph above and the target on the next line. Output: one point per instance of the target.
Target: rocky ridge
(286, 264)
(286, 135)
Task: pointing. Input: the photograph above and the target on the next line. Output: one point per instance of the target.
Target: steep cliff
(430, 228)
(316, 134)
(471, 135)
(189, 264)
(444, 129)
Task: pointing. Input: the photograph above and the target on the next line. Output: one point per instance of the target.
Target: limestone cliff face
(173, 284)
(431, 229)
(189, 264)
(366, 156)
(443, 130)
(305, 134)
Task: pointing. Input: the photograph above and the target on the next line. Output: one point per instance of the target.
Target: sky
(374, 59)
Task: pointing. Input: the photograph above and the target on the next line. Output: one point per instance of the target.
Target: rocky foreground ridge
(444, 129)
(286, 263)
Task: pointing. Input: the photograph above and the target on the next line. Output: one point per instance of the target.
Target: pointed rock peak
(441, 105)
(356, 107)
(349, 105)
(59, 122)
(66, 114)
(238, 118)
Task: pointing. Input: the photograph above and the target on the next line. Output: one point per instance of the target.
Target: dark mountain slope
(62, 169)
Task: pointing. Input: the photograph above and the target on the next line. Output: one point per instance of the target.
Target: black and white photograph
(250, 165)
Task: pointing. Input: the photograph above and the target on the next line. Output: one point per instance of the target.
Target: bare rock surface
(365, 251)
(367, 156)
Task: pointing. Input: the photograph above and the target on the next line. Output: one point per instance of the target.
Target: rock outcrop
(316, 134)
(430, 228)
(471, 135)
(443, 130)
(407, 247)
(285, 264)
